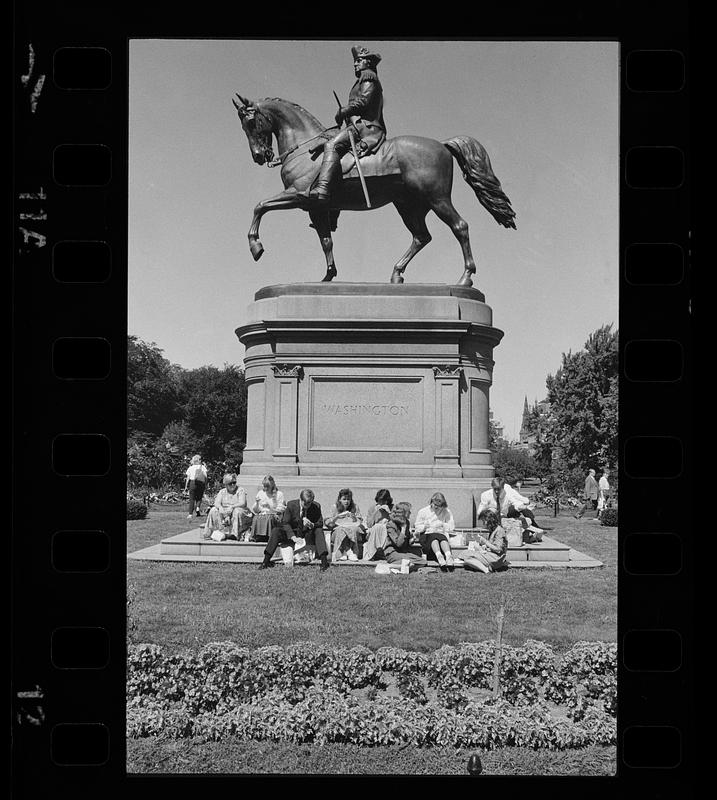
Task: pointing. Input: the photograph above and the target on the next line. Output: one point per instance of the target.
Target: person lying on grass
(400, 545)
(433, 524)
(488, 554)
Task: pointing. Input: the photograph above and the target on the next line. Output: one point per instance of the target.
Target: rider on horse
(364, 112)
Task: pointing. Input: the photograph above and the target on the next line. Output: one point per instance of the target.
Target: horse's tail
(475, 165)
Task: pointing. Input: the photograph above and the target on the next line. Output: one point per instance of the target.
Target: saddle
(377, 160)
(381, 162)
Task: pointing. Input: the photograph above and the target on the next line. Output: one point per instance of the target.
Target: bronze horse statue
(420, 180)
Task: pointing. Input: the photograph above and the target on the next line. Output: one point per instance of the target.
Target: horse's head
(258, 128)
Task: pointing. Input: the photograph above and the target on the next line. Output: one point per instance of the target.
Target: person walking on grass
(195, 484)
(590, 494)
(604, 491)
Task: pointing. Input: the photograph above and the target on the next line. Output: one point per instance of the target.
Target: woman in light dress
(346, 524)
(376, 518)
(488, 554)
(434, 523)
(268, 508)
(229, 516)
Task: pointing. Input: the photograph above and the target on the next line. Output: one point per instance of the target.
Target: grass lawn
(185, 604)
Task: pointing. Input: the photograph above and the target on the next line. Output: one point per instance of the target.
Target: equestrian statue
(352, 166)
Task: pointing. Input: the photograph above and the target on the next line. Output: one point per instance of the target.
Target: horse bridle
(270, 160)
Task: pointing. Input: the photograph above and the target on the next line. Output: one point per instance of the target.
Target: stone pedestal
(370, 386)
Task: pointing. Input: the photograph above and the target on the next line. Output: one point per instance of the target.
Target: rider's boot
(321, 191)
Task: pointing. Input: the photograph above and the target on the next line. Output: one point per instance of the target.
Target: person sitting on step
(268, 510)
(346, 524)
(229, 517)
(376, 518)
(302, 520)
(506, 502)
(434, 523)
(400, 544)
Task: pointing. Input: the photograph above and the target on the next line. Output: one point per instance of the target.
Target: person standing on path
(590, 494)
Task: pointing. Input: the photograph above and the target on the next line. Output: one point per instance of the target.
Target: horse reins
(278, 160)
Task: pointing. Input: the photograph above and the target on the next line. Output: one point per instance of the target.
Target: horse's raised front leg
(414, 217)
(278, 202)
(444, 210)
(320, 220)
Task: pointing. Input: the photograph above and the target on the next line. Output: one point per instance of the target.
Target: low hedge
(180, 693)
(608, 517)
(136, 509)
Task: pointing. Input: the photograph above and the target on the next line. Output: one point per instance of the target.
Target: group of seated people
(384, 533)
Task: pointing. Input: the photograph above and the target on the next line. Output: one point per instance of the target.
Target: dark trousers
(196, 492)
(280, 536)
(513, 513)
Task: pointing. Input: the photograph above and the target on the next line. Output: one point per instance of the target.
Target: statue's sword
(356, 158)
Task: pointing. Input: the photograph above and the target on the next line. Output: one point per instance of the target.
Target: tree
(153, 465)
(515, 463)
(213, 405)
(152, 387)
(179, 437)
(580, 430)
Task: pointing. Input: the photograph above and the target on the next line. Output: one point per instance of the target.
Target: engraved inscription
(358, 410)
(366, 414)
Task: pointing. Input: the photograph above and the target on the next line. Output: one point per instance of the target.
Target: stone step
(191, 543)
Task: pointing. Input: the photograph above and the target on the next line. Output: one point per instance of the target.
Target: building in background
(528, 436)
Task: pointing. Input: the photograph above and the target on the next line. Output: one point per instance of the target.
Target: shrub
(303, 692)
(136, 509)
(608, 517)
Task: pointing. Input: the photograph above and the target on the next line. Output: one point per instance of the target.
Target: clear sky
(546, 112)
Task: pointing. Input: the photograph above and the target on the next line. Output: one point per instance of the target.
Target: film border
(76, 424)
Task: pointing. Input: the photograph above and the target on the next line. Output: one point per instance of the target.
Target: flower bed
(313, 693)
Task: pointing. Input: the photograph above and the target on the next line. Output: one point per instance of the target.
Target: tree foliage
(174, 413)
(515, 463)
(152, 387)
(580, 429)
(213, 404)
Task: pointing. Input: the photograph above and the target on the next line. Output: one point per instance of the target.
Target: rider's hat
(364, 52)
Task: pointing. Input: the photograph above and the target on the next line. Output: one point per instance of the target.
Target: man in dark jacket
(364, 111)
(302, 520)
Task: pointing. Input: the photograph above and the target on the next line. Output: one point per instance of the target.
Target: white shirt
(197, 472)
(604, 484)
(508, 497)
(429, 522)
(268, 504)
